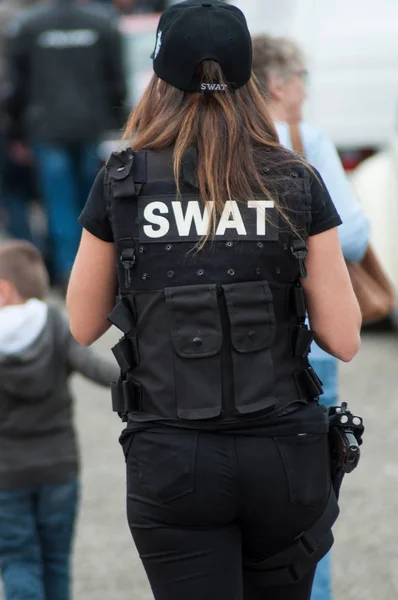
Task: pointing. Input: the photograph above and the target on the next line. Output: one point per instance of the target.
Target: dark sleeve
(94, 216)
(324, 213)
(91, 364)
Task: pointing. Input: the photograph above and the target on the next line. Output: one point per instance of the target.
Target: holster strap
(292, 564)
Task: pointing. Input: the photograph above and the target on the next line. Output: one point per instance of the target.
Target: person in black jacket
(216, 242)
(66, 88)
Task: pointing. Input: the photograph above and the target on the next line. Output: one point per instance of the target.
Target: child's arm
(92, 365)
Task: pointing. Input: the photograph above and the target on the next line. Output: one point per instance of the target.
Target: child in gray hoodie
(39, 464)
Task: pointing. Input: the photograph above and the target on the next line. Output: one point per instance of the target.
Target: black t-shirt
(95, 217)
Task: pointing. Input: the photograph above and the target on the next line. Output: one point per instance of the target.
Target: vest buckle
(128, 259)
(299, 249)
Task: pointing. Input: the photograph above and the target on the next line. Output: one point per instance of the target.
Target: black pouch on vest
(122, 315)
(311, 383)
(252, 317)
(302, 338)
(197, 341)
(126, 354)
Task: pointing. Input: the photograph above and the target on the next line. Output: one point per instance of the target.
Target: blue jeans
(326, 369)
(36, 532)
(16, 195)
(66, 174)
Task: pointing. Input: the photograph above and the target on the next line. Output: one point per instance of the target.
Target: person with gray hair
(280, 67)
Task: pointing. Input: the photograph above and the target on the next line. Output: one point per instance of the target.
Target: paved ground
(366, 551)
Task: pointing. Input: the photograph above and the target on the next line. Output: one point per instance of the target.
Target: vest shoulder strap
(160, 166)
(126, 171)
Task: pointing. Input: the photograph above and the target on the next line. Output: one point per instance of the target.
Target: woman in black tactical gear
(224, 241)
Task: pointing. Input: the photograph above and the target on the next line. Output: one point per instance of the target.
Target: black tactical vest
(211, 334)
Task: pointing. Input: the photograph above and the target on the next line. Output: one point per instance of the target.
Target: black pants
(201, 503)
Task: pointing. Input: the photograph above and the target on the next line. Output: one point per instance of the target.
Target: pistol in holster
(345, 436)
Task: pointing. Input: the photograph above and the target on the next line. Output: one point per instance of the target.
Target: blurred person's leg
(87, 170)
(326, 369)
(56, 516)
(16, 195)
(20, 553)
(57, 177)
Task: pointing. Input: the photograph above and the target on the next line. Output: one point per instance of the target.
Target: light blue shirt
(354, 233)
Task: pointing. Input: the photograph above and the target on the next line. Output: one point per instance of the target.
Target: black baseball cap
(193, 31)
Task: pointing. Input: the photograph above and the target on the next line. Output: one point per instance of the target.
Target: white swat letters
(231, 219)
(261, 206)
(213, 87)
(193, 213)
(162, 222)
(189, 220)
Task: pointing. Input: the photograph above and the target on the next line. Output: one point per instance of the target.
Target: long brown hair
(231, 130)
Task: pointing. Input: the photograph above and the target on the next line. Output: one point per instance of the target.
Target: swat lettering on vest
(165, 219)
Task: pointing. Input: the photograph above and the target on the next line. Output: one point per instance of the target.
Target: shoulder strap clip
(299, 249)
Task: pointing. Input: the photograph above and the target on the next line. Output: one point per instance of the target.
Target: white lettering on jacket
(78, 38)
(195, 220)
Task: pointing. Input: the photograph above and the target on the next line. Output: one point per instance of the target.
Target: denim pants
(36, 532)
(66, 174)
(17, 192)
(326, 369)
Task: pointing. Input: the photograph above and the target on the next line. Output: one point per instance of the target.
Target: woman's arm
(332, 307)
(92, 289)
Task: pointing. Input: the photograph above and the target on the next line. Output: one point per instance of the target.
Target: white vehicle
(352, 53)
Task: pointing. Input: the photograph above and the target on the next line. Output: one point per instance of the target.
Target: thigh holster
(291, 564)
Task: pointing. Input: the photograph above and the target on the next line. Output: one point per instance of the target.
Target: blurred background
(352, 53)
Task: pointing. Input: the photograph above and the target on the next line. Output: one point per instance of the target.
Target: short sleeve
(323, 211)
(94, 216)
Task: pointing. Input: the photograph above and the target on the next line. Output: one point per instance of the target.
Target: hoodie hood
(21, 325)
(27, 348)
